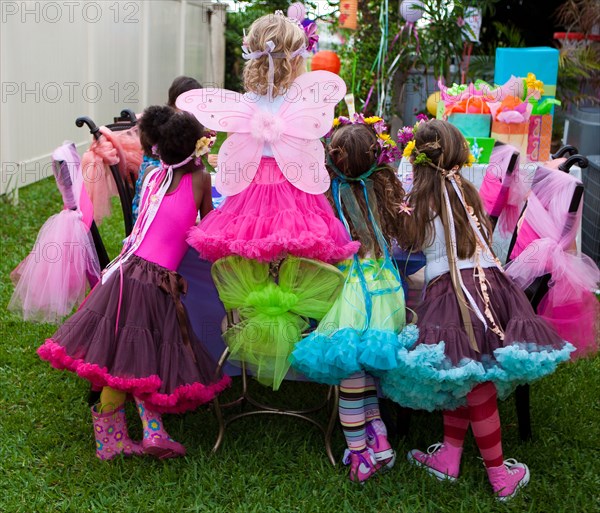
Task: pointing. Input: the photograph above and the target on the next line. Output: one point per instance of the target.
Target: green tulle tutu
(274, 306)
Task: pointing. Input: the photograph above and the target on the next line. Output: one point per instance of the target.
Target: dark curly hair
(353, 150)
(179, 86)
(174, 133)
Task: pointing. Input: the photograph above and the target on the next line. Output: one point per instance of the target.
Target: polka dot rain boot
(157, 441)
(112, 438)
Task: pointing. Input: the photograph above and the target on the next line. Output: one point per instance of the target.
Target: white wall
(63, 59)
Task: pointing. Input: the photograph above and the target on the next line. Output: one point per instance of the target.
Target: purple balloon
(297, 11)
(410, 11)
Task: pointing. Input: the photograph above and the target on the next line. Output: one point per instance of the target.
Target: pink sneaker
(377, 441)
(362, 464)
(441, 460)
(508, 479)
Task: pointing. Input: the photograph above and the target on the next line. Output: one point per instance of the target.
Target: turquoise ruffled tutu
(437, 371)
(361, 330)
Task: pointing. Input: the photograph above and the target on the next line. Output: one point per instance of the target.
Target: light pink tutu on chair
(546, 244)
(270, 219)
(54, 277)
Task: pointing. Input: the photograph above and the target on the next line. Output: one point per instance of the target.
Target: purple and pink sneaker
(377, 441)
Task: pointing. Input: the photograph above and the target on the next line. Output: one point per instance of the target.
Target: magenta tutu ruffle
(270, 219)
(181, 399)
(146, 356)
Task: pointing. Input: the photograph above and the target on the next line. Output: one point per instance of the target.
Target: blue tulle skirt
(355, 336)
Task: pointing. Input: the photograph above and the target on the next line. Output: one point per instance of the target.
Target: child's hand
(212, 159)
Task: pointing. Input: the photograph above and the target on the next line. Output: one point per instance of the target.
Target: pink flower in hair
(311, 33)
(405, 135)
(405, 209)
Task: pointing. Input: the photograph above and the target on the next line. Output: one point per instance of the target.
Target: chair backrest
(125, 121)
(125, 188)
(553, 212)
(503, 191)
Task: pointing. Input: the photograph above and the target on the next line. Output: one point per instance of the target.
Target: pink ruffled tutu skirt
(270, 219)
(135, 337)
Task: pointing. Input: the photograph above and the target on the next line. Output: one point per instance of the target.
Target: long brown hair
(353, 150)
(445, 146)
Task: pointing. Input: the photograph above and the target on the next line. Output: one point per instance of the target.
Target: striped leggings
(358, 405)
(482, 414)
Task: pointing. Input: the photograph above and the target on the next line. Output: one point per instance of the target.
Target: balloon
(326, 60)
(432, 103)
(409, 10)
(297, 11)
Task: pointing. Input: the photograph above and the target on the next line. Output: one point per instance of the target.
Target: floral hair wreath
(309, 28)
(205, 143)
(406, 137)
(388, 151)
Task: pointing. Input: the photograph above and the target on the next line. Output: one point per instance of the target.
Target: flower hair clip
(405, 208)
(422, 159)
(204, 145)
(387, 149)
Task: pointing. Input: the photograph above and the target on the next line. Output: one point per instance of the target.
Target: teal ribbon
(343, 196)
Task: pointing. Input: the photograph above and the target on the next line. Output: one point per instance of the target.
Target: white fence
(63, 59)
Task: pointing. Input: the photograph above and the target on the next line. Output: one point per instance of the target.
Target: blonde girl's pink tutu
(270, 219)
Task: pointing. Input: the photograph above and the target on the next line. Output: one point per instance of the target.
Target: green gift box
(472, 125)
(481, 148)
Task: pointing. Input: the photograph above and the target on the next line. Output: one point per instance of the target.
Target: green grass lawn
(47, 460)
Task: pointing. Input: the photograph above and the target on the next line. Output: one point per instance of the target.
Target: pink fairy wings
(293, 132)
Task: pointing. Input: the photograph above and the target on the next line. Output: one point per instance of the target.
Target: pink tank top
(164, 243)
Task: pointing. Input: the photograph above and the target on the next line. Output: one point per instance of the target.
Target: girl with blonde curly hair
(275, 217)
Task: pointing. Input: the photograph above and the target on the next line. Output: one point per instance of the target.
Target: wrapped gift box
(472, 125)
(541, 61)
(539, 138)
(481, 148)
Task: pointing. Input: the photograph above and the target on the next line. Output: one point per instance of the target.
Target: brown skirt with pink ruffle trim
(132, 334)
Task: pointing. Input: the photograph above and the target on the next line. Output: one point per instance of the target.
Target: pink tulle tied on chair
(97, 178)
(54, 277)
(504, 194)
(129, 150)
(122, 149)
(546, 244)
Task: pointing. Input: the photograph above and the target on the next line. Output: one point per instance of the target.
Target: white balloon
(409, 12)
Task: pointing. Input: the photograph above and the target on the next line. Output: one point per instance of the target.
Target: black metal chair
(125, 121)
